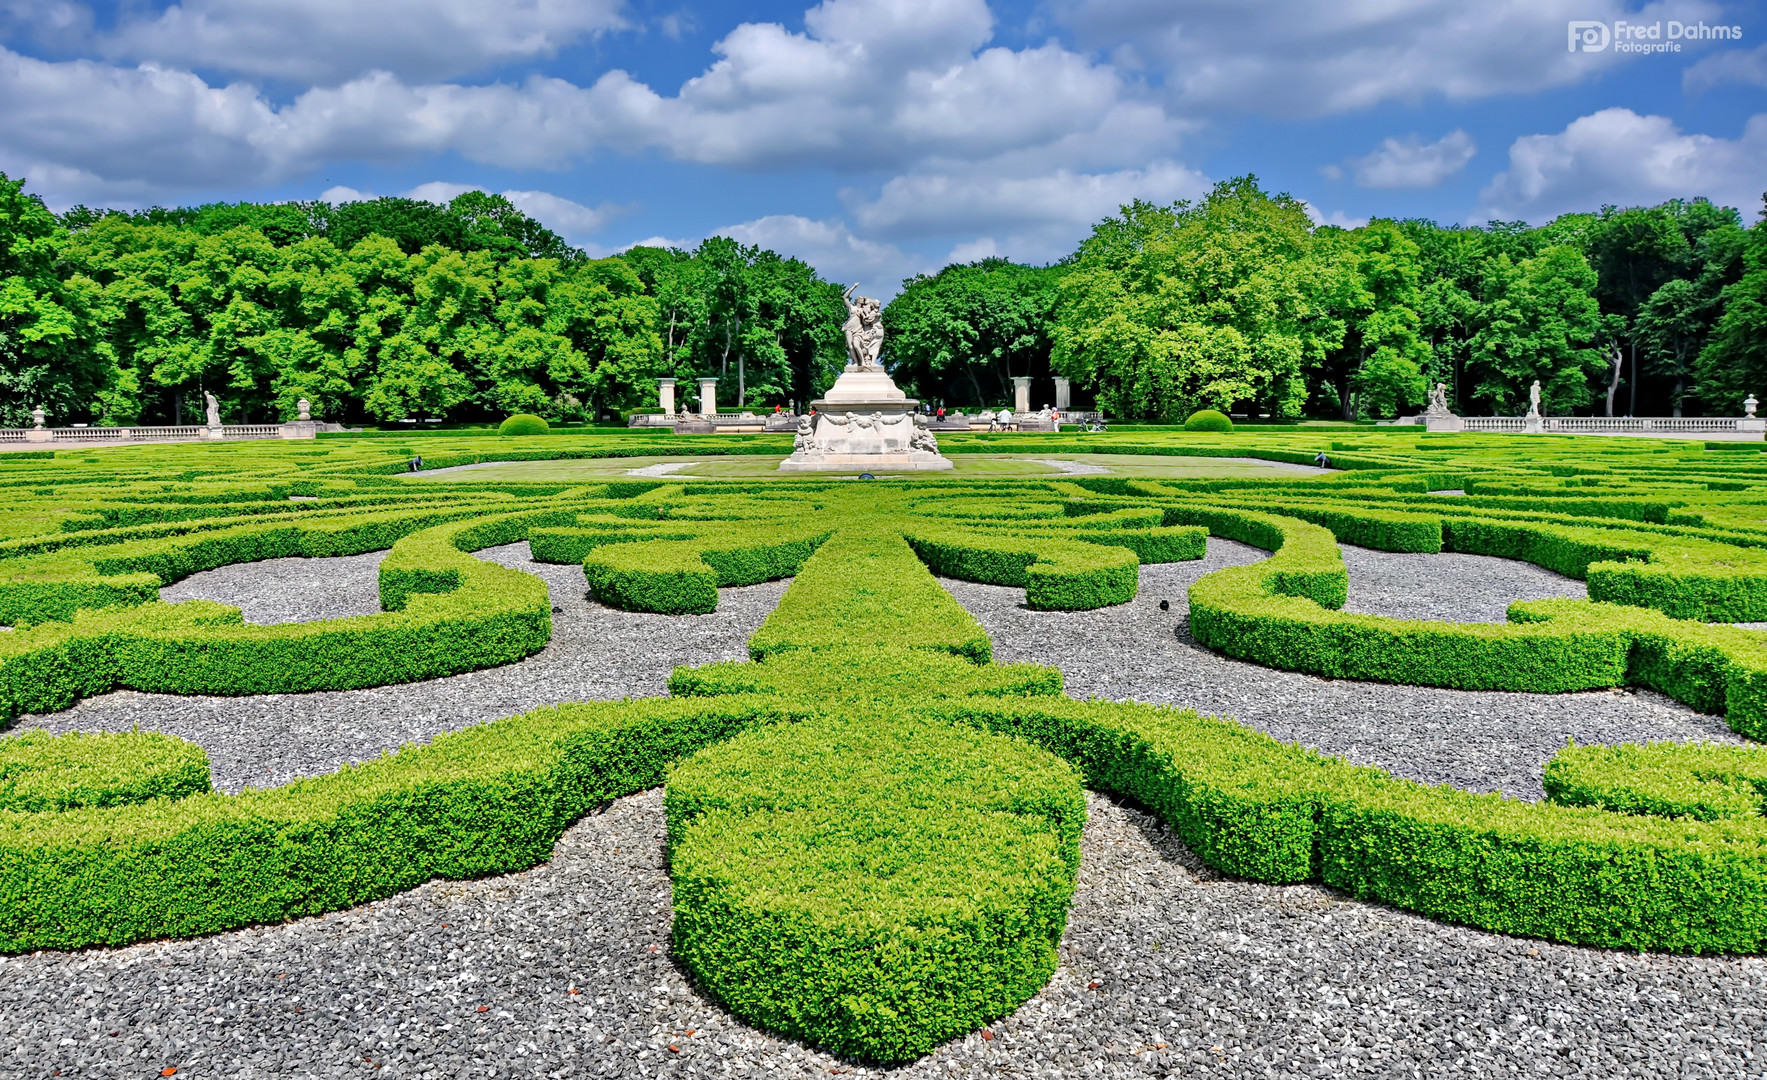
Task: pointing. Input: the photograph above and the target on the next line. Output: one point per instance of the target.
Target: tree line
(1238, 302)
(396, 309)
(383, 310)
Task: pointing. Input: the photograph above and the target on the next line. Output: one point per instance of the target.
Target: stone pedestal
(1063, 394)
(865, 424)
(665, 396)
(708, 396)
(1447, 422)
(213, 434)
(1021, 394)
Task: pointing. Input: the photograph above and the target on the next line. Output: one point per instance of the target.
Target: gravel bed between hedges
(1476, 740)
(596, 652)
(1196, 976)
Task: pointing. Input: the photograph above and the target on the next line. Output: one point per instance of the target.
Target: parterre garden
(873, 829)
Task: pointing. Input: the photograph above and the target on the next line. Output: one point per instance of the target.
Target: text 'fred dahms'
(1586, 35)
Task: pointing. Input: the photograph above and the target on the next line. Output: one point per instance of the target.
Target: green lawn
(753, 466)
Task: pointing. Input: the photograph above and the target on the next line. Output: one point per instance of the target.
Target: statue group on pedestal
(864, 330)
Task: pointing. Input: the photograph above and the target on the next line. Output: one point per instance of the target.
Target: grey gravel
(289, 590)
(1476, 740)
(596, 653)
(1166, 969)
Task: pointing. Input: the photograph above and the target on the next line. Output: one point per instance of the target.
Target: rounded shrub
(1204, 420)
(524, 424)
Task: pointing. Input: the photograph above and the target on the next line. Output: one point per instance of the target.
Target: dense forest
(395, 309)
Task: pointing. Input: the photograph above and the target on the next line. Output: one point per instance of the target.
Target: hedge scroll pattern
(869, 677)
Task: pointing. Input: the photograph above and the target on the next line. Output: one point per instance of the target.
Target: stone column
(1021, 393)
(1062, 395)
(665, 396)
(708, 396)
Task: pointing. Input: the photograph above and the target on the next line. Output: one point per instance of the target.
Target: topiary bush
(524, 424)
(1208, 420)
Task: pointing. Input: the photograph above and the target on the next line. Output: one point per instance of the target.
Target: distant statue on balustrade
(1439, 401)
(214, 409)
(864, 330)
(1534, 400)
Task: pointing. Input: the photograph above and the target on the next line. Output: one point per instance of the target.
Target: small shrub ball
(1208, 420)
(523, 424)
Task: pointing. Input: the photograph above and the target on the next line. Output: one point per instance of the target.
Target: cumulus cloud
(1337, 217)
(870, 85)
(1617, 156)
(1743, 67)
(832, 248)
(571, 220)
(1412, 163)
(330, 41)
(941, 203)
(1304, 58)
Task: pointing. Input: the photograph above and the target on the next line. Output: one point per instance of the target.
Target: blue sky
(878, 138)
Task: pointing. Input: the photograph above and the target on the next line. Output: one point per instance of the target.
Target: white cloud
(1305, 58)
(1336, 217)
(339, 194)
(975, 250)
(329, 41)
(871, 85)
(833, 250)
(1744, 67)
(940, 203)
(1412, 163)
(1617, 156)
(571, 220)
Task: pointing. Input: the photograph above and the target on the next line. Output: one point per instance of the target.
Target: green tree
(1733, 362)
(1366, 291)
(1542, 323)
(1167, 310)
(962, 334)
(49, 353)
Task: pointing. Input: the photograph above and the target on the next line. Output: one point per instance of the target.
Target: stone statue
(922, 437)
(214, 409)
(805, 439)
(1439, 401)
(305, 408)
(1534, 400)
(864, 330)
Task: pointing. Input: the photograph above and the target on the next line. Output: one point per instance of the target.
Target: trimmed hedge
(1056, 574)
(524, 424)
(40, 772)
(866, 588)
(451, 613)
(491, 799)
(1208, 420)
(876, 886)
(683, 577)
(1254, 807)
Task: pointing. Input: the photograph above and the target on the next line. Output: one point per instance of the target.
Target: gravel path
(596, 652)
(289, 590)
(1166, 970)
(1071, 468)
(1475, 740)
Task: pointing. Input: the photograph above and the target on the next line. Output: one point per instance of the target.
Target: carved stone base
(865, 424)
(856, 463)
